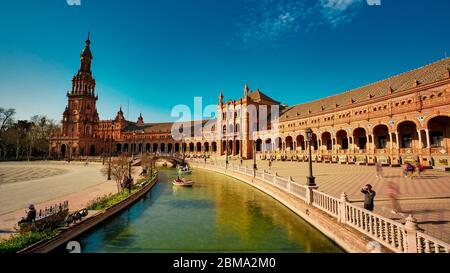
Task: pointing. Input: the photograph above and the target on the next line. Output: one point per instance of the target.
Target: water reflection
(219, 214)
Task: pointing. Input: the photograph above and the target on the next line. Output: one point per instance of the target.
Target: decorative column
(390, 141)
(367, 143)
(419, 132)
(397, 141)
(372, 148)
(427, 132)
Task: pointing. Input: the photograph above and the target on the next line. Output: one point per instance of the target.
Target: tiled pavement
(427, 197)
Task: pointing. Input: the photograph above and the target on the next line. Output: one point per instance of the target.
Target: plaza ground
(45, 184)
(426, 197)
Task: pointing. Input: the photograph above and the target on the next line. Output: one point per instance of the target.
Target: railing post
(263, 176)
(289, 184)
(411, 228)
(310, 194)
(342, 216)
(274, 178)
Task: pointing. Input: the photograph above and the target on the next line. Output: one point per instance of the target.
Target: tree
(6, 121)
(39, 136)
(119, 169)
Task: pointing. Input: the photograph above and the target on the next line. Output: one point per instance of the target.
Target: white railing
(391, 234)
(281, 182)
(326, 203)
(268, 178)
(428, 244)
(259, 174)
(385, 231)
(298, 190)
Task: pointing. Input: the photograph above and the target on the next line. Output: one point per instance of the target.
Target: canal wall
(86, 225)
(353, 228)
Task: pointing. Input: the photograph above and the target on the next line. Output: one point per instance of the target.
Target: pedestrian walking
(392, 192)
(379, 169)
(369, 196)
(419, 169)
(405, 170)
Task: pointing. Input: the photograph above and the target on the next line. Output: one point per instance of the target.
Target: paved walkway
(426, 197)
(45, 184)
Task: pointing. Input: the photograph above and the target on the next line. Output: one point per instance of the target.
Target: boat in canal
(182, 182)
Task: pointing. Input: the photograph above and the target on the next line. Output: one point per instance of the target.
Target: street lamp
(254, 157)
(142, 143)
(311, 179)
(110, 151)
(226, 154)
(133, 146)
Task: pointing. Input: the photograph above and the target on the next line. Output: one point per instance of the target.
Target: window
(382, 142)
(406, 141)
(345, 143)
(437, 139)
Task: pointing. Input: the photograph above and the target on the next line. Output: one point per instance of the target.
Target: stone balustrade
(393, 235)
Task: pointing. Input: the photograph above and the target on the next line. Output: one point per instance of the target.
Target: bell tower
(80, 119)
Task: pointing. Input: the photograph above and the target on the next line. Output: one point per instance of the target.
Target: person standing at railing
(369, 196)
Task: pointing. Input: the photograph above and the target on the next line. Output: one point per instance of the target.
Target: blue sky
(155, 54)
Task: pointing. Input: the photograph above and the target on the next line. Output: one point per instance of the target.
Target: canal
(219, 214)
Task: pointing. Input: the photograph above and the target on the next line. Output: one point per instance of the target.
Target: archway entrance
(92, 150)
(63, 150)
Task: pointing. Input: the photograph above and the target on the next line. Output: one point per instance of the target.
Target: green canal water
(219, 214)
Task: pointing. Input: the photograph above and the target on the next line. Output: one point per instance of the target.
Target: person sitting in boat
(179, 179)
(31, 215)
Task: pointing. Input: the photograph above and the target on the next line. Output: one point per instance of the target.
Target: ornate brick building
(402, 118)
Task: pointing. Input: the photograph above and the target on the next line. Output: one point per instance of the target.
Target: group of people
(409, 170)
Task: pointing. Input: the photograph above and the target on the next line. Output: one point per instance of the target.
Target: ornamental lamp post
(310, 179)
(254, 158)
(133, 146)
(142, 142)
(226, 154)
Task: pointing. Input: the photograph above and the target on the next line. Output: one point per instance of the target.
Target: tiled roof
(258, 96)
(424, 75)
(165, 127)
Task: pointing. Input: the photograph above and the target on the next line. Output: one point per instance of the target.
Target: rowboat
(182, 183)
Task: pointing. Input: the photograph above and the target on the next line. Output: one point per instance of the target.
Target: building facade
(405, 118)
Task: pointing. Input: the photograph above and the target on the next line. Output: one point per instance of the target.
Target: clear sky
(155, 54)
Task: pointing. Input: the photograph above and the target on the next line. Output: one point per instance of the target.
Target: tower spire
(221, 97)
(246, 89)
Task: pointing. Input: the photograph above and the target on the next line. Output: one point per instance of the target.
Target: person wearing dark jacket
(31, 215)
(369, 196)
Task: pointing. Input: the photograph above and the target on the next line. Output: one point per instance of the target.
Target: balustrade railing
(393, 235)
(385, 231)
(428, 244)
(326, 202)
(281, 182)
(298, 190)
